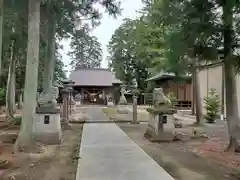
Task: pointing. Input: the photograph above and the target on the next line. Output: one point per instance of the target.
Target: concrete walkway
(95, 114)
(107, 153)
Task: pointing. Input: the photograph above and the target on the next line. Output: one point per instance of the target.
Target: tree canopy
(31, 31)
(176, 36)
(85, 50)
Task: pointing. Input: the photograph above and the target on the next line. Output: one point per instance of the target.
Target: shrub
(17, 120)
(2, 94)
(212, 105)
(171, 96)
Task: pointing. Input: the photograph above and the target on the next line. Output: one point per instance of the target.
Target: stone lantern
(19, 93)
(158, 117)
(47, 126)
(122, 104)
(135, 98)
(68, 100)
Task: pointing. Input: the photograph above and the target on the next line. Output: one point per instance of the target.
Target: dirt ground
(180, 158)
(55, 162)
(113, 115)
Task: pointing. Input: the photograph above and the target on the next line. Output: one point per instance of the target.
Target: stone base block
(110, 104)
(73, 108)
(122, 100)
(78, 118)
(78, 103)
(47, 128)
(122, 110)
(160, 137)
(155, 130)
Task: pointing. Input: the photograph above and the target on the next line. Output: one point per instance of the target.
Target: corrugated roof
(93, 77)
(163, 75)
(160, 76)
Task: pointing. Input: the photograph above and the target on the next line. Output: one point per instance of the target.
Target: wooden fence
(178, 104)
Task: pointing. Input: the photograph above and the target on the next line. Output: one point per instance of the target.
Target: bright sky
(105, 31)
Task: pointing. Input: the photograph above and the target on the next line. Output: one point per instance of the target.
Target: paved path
(107, 153)
(95, 113)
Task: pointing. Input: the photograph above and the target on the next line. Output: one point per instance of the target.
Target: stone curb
(182, 118)
(102, 121)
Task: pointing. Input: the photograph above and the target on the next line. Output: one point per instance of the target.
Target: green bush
(171, 96)
(17, 120)
(212, 105)
(2, 94)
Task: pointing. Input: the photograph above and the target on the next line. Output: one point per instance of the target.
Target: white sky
(105, 31)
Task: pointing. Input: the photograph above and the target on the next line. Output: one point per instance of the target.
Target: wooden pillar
(134, 109)
(104, 96)
(178, 91)
(135, 98)
(65, 114)
(82, 95)
(185, 91)
(70, 103)
(65, 108)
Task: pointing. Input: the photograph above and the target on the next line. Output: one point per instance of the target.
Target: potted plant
(212, 105)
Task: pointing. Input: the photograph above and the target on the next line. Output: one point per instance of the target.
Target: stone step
(184, 118)
(190, 116)
(183, 112)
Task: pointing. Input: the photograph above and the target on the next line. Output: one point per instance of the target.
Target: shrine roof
(93, 77)
(160, 76)
(164, 75)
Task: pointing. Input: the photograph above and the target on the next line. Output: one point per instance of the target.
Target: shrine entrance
(93, 96)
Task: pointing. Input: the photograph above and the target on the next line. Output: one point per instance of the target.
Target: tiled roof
(163, 75)
(160, 76)
(93, 77)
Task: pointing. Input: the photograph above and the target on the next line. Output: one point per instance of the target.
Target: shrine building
(94, 85)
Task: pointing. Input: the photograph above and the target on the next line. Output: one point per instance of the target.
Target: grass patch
(110, 112)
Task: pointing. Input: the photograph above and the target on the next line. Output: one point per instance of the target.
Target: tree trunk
(1, 33)
(230, 81)
(50, 50)
(25, 138)
(20, 102)
(48, 60)
(223, 93)
(9, 93)
(13, 86)
(193, 91)
(198, 102)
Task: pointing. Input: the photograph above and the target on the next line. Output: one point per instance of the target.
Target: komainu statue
(122, 100)
(159, 98)
(49, 99)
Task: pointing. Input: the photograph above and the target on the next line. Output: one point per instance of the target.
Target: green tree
(24, 139)
(229, 9)
(64, 16)
(1, 33)
(205, 27)
(85, 51)
(128, 56)
(59, 73)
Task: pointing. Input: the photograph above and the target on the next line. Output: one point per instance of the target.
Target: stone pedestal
(109, 101)
(78, 103)
(110, 104)
(47, 126)
(157, 119)
(73, 109)
(122, 100)
(122, 109)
